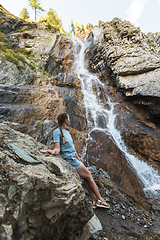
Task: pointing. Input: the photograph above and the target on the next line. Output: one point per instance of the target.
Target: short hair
(61, 118)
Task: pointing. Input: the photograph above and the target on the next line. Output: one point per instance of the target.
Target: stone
(94, 224)
(103, 153)
(49, 191)
(38, 42)
(146, 84)
(29, 158)
(9, 73)
(61, 57)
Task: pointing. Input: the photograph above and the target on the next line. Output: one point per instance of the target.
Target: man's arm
(55, 151)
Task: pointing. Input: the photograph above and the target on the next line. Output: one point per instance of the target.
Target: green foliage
(34, 4)
(116, 27)
(40, 67)
(152, 45)
(31, 66)
(24, 14)
(11, 58)
(72, 28)
(102, 40)
(45, 75)
(3, 39)
(53, 22)
(2, 48)
(129, 66)
(82, 27)
(16, 55)
(23, 51)
(2, 56)
(34, 59)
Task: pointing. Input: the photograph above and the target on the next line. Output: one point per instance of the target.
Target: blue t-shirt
(67, 150)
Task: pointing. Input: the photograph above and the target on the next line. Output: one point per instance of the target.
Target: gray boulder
(37, 42)
(41, 195)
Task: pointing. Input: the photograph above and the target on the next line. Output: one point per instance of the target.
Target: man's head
(62, 118)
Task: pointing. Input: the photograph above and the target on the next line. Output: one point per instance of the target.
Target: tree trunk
(35, 14)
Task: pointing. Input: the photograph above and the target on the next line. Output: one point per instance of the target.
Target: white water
(100, 109)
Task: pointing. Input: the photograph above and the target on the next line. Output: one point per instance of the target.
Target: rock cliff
(131, 58)
(130, 61)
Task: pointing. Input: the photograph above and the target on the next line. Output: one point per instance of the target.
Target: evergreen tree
(24, 14)
(36, 6)
(82, 27)
(53, 22)
(73, 29)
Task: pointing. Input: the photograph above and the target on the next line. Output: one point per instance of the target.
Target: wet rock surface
(140, 135)
(103, 153)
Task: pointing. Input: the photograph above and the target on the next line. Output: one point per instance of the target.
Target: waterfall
(100, 108)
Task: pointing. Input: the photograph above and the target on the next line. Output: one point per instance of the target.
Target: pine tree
(82, 27)
(36, 6)
(24, 14)
(72, 29)
(53, 22)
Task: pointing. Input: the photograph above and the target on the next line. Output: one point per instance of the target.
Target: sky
(141, 13)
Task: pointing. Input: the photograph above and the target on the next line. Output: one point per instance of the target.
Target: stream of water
(100, 115)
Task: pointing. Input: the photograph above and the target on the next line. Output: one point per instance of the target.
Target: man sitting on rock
(63, 145)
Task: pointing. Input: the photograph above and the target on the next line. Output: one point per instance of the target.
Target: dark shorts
(74, 162)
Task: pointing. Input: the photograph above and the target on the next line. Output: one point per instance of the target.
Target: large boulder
(41, 195)
(103, 153)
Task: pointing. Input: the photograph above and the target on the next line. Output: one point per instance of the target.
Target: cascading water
(100, 115)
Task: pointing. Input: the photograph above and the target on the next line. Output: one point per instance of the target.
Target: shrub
(31, 66)
(23, 51)
(3, 39)
(2, 48)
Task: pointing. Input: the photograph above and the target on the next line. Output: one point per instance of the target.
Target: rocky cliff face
(132, 59)
(122, 53)
(9, 22)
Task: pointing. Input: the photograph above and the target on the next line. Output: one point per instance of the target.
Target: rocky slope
(38, 192)
(9, 22)
(42, 195)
